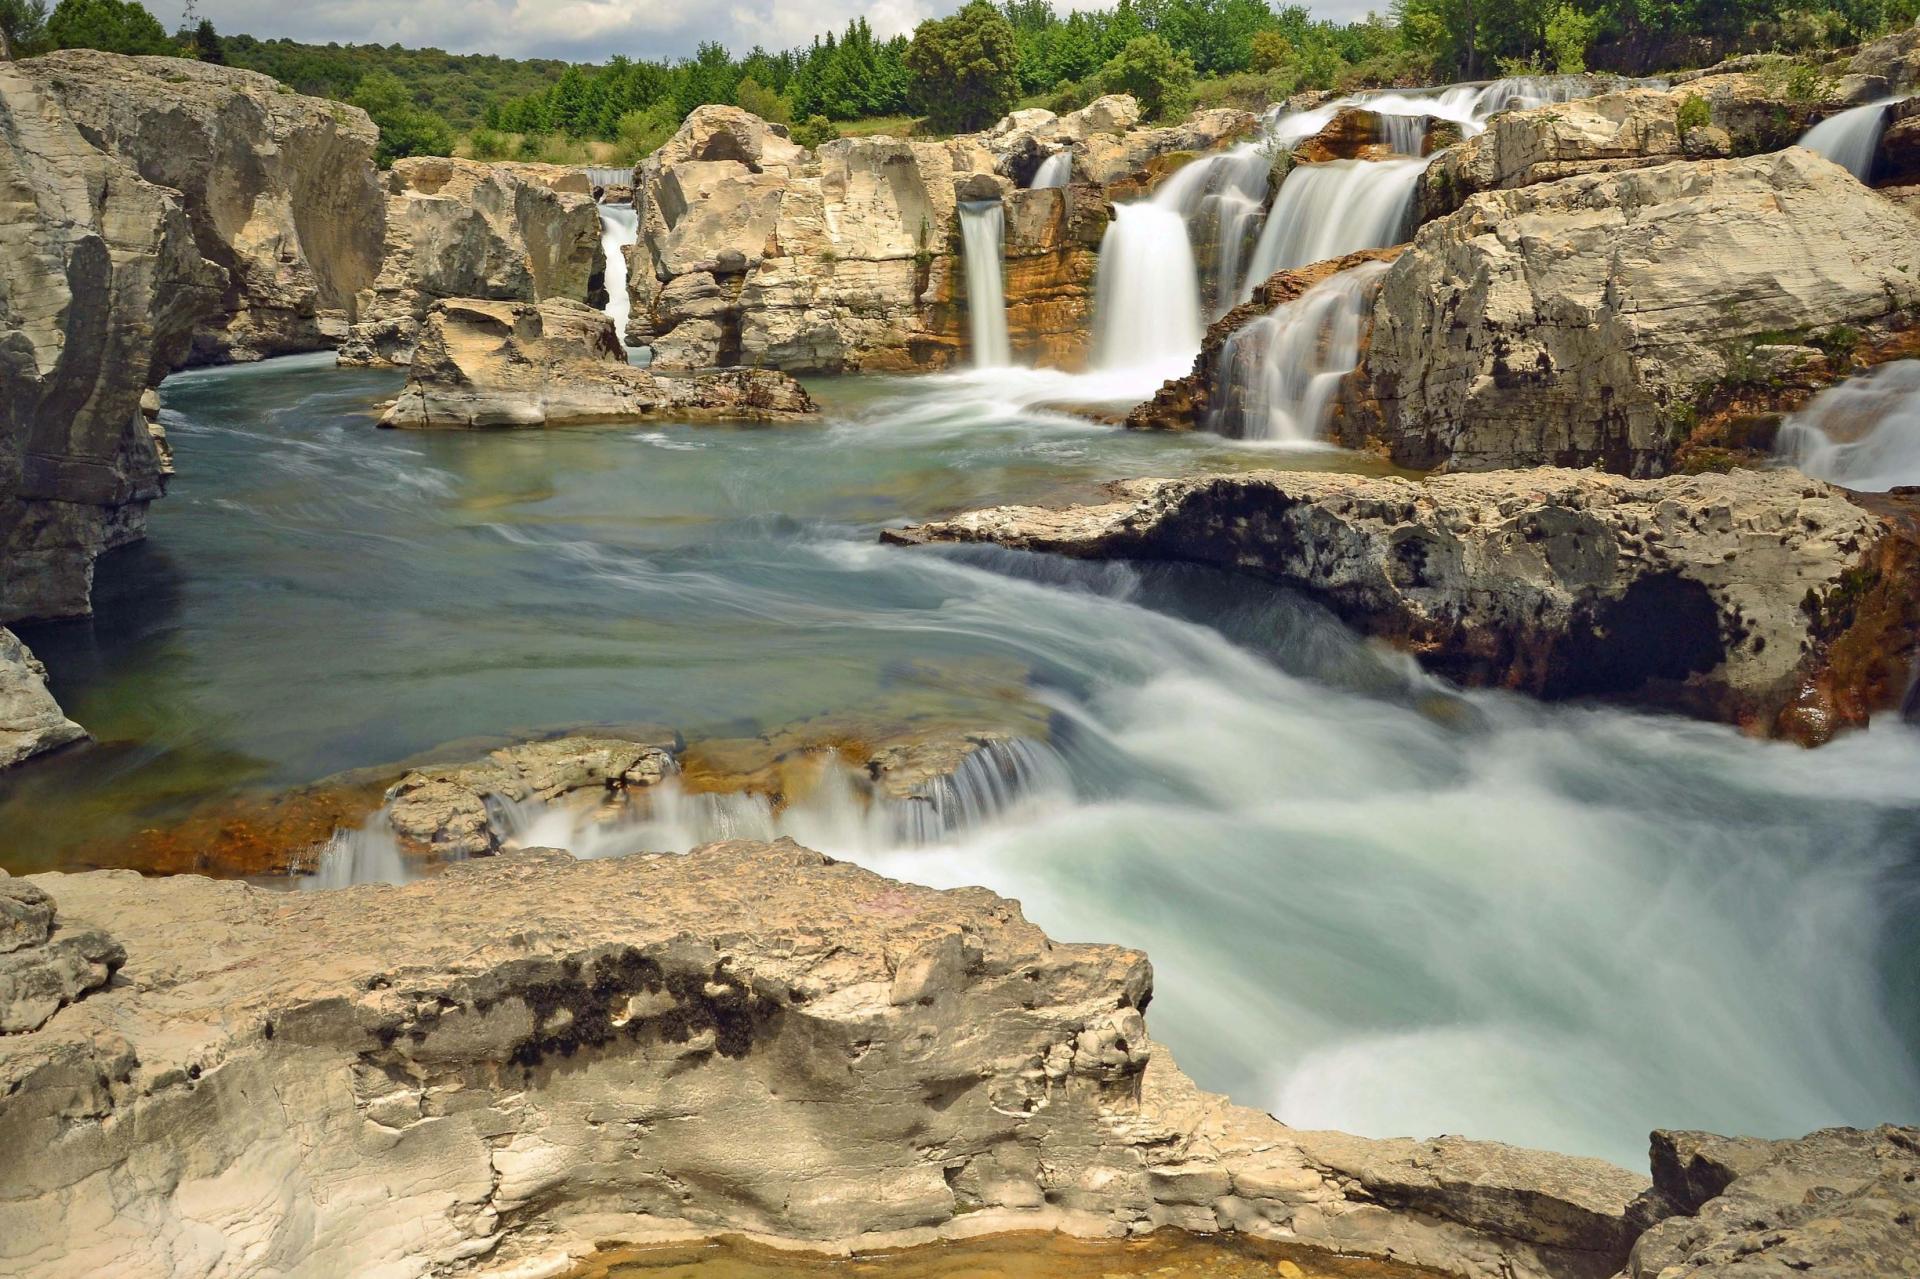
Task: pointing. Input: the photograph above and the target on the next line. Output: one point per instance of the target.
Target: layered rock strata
(45, 964)
(1759, 598)
(101, 286)
(31, 722)
(279, 188)
(465, 229)
(523, 364)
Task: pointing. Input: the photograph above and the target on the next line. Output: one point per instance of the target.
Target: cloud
(589, 30)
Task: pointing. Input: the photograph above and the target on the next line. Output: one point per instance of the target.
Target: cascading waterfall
(1221, 199)
(1862, 434)
(1146, 294)
(982, 235)
(1278, 373)
(367, 855)
(619, 227)
(1054, 171)
(1851, 138)
(1328, 210)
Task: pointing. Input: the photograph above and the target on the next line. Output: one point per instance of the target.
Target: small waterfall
(982, 234)
(619, 227)
(1054, 171)
(1328, 210)
(991, 782)
(1851, 138)
(368, 855)
(1221, 198)
(1278, 374)
(1146, 294)
(1862, 434)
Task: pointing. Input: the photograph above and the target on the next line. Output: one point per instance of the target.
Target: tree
(23, 28)
(1568, 34)
(751, 95)
(405, 128)
(118, 26)
(205, 44)
(1269, 51)
(965, 69)
(1159, 78)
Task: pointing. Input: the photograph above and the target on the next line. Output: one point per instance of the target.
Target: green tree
(205, 44)
(1568, 34)
(405, 127)
(23, 28)
(118, 26)
(751, 95)
(965, 69)
(1269, 51)
(1159, 78)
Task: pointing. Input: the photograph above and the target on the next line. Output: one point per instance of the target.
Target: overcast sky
(588, 30)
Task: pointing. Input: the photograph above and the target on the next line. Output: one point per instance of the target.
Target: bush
(639, 134)
(1692, 114)
(1271, 51)
(1160, 79)
(118, 26)
(405, 129)
(965, 68)
(1071, 95)
(814, 130)
(1245, 91)
(751, 95)
(1568, 34)
(489, 144)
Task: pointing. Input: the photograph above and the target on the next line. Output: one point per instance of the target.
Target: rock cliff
(1760, 598)
(279, 188)
(464, 229)
(101, 287)
(490, 364)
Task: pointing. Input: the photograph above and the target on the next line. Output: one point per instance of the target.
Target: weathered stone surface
(1893, 60)
(1838, 1204)
(1729, 596)
(1897, 162)
(1586, 321)
(526, 1055)
(1133, 162)
(100, 288)
(279, 188)
(26, 914)
(465, 229)
(525, 364)
(1354, 133)
(30, 720)
(45, 967)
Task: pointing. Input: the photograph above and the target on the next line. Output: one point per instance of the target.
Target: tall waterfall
(1850, 138)
(982, 235)
(1146, 295)
(1327, 210)
(1054, 171)
(1862, 434)
(619, 227)
(1278, 374)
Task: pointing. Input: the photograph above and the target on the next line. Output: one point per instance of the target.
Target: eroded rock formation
(45, 964)
(31, 722)
(493, 364)
(279, 188)
(1759, 598)
(466, 229)
(101, 286)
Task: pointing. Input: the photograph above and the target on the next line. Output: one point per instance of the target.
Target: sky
(590, 30)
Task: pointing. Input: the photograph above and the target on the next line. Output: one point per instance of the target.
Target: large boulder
(1760, 598)
(31, 722)
(466, 229)
(1587, 321)
(1893, 61)
(489, 364)
(279, 188)
(100, 289)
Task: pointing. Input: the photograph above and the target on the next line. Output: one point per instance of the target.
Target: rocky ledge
(492, 364)
(1759, 598)
(45, 964)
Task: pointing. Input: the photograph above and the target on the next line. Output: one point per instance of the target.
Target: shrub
(1160, 79)
(1692, 114)
(1271, 51)
(489, 144)
(814, 130)
(639, 134)
(1568, 34)
(753, 96)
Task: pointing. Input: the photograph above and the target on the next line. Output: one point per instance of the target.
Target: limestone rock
(1839, 1204)
(1727, 596)
(30, 720)
(26, 915)
(1897, 163)
(1132, 163)
(493, 364)
(100, 289)
(466, 229)
(45, 967)
(1584, 321)
(498, 1067)
(1893, 60)
(1354, 133)
(279, 188)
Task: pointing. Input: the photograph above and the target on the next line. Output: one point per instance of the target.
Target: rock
(496, 1068)
(100, 289)
(26, 915)
(1893, 59)
(1839, 1204)
(1354, 133)
(31, 722)
(465, 229)
(1750, 597)
(45, 967)
(279, 188)
(446, 811)
(1131, 164)
(1897, 162)
(490, 364)
(1589, 320)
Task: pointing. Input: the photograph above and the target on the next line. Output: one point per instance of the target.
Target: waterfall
(1054, 171)
(368, 855)
(619, 227)
(1220, 198)
(1329, 210)
(1862, 434)
(982, 234)
(1146, 294)
(1851, 138)
(1278, 374)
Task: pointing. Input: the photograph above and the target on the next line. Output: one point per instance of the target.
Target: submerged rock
(491, 364)
(31, 722)
(527, 1055)
(1759, 598)
(467, 229)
